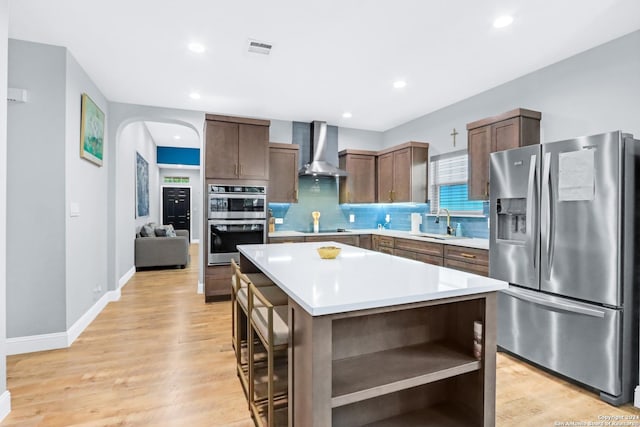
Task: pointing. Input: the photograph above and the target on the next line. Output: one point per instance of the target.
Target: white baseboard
(126, 277)
(5, 404)
(636, 397)
(196, 241)
(85, 320)
(29, 344)
(200, 287)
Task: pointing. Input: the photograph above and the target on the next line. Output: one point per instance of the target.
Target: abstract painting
(142, 186)
(91, 131)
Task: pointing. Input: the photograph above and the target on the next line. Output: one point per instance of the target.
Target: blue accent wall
(178, 156)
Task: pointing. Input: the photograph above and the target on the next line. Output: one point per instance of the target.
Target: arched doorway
(129, 133)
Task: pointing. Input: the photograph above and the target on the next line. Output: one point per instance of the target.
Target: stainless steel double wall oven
(237, 216)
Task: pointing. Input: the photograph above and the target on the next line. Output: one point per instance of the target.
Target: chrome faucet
(450, 230)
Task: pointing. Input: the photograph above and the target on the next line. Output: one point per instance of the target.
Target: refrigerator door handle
(546, 188)
(562, 306)
(531, 205)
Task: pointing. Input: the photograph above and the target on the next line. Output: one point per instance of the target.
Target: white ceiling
(172, 135)
(329, 56)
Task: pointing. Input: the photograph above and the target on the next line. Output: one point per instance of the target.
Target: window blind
(448, 184)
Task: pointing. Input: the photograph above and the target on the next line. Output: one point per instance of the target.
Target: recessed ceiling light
(346, 115)
(194, 95)
(399, 84)
(196, 47)
(503, 21)
(176, 137)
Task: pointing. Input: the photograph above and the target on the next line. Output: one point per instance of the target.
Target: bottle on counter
(272, 222)
(458, 229)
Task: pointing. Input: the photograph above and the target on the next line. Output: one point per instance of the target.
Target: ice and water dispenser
(512, 219)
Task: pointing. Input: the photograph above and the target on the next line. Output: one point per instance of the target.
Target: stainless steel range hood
(319, 166)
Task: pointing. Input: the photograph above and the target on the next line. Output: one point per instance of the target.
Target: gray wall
(282, 131)
(86, 185)
(36, 191)
(359, 139)
(593, 92)
(196, 194)
(4, 26)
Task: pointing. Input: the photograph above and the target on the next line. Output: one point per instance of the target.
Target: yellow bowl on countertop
(328, 252)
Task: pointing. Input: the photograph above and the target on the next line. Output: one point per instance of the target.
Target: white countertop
(467, 242)
(358, 278)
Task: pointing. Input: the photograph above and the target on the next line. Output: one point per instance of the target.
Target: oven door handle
(237, 221)
(236, 196)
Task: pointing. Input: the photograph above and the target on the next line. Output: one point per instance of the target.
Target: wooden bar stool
(257, 279)
(269, 323)
(271, 293)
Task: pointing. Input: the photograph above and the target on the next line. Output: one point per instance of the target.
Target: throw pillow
(165, 231)
(146, 231)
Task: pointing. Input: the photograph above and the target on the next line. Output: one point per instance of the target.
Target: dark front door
(176, 204)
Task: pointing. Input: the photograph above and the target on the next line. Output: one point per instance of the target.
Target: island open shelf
(371, 375)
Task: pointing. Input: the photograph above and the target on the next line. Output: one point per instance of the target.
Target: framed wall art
(142, 186)
(91, 131)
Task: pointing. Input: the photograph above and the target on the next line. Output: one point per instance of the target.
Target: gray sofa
(162, 251)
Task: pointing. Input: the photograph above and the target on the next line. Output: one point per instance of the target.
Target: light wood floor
(160, 356)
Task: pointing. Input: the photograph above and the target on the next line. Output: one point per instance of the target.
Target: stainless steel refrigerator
(563, 232)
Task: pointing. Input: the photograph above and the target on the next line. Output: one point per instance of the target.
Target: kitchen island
(381, 340)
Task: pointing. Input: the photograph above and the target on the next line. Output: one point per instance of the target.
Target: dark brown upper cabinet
(515, 128)
(360, 185)
(236, 148)
(283, 172)
(403, 173)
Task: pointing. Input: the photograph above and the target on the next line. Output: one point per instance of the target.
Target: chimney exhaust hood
(319, 166)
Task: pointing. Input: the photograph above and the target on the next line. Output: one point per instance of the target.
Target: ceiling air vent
(256, 46)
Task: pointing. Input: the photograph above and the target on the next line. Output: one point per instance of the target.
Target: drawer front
(430, 259)
(471, 255)
(296, 239)
(385, 250)
(427, 248)
(404, 254)
(560, 335)
(481, 270)
(385, 241)
(347, 240)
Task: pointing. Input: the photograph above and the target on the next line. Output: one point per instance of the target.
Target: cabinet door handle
(349, 196)
(390, 197)
(235, 169)
(465, 255)
(486, 189)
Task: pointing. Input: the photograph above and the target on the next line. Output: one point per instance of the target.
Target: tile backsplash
(321, 194)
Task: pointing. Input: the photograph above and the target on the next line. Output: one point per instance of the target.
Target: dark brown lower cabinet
(365, 241)
(293, 239)
(352, 240)
(217, 283)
